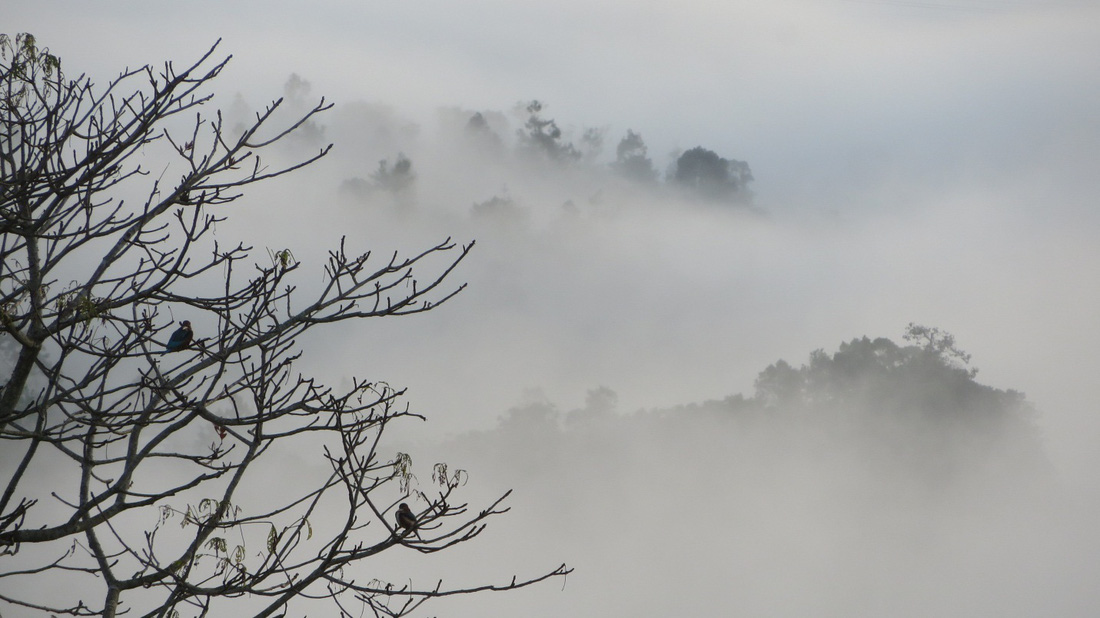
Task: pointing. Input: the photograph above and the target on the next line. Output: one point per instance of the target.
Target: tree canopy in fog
(890, 377)
(396, 178)
(542, 137)
(710, 176)
(162, 453)
(870, 473)
(915, 407)
(473, 149)
(632, 160)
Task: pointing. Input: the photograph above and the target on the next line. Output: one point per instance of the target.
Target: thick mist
(911, 163)
(606, 320)
(794, 509)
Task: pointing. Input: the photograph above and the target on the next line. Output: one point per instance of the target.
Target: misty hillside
(512, 165)
(913, 413)
(874, 479)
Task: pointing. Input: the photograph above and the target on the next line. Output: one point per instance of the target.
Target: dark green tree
(632, 159)
(397, 178)
(928, 381)
(707, 175)
(542, 137)
(481, 135)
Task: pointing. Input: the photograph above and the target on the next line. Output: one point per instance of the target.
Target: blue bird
(405, 518)
(180, 339)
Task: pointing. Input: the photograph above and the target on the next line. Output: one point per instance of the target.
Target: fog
(913, 162)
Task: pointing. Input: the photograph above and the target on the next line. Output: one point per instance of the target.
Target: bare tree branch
(164, 452)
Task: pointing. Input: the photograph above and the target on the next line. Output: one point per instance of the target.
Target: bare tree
(139, 480)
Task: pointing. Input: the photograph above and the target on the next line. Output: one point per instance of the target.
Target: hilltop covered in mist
(916, 410)
(513, 164)
(878, 479)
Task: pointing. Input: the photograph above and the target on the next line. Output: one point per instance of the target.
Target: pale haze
(931, 162)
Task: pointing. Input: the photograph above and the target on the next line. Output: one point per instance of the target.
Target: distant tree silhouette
(396, 181)
(542, 137)
(296, 93)
(481, 134)
(709, 176)
(915, 406)
(592, 143)
(927, 383)
(397, 178)
(502, 209)
(939, 344)
(632, 160)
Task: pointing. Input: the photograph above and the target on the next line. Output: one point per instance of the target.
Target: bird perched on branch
(405, 518)
(180, 339)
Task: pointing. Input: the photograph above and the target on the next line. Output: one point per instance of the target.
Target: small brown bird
(405, 517)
